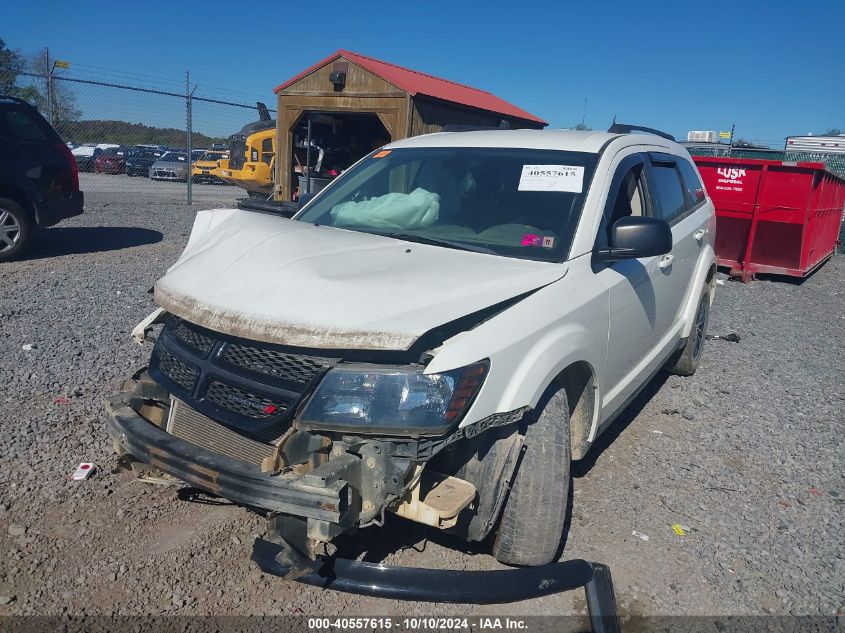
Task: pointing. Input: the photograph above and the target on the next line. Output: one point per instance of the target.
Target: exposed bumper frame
(233, 479)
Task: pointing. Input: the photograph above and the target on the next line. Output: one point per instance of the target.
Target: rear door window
(21, 124)
(667, 190)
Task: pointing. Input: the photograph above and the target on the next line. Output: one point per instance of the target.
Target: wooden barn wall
(358, 82)
(430, 115)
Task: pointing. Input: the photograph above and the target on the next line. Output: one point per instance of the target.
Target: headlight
(392, 400)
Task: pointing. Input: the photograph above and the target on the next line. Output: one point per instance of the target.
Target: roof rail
(460, 127)
(623, 128)
(14, 99)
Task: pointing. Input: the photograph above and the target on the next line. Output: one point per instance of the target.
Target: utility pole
(584, 114)
(731, 141)
(49, 70)
(189, 122)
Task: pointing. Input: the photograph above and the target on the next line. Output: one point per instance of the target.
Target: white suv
(436, 334)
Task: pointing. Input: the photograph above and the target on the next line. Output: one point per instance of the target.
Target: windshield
(212, 156)
(172, 157)
(521, 203)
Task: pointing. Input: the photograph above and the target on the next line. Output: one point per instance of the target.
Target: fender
(527, 349)
(706, 260)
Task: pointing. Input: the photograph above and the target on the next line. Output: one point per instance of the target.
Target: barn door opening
(325, 144)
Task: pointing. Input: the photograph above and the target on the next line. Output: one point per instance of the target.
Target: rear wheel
(686, 361)
(532, 521)
(15, 229)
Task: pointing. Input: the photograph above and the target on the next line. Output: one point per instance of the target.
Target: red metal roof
(415, 82)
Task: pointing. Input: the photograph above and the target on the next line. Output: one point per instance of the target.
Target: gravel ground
(747, 454)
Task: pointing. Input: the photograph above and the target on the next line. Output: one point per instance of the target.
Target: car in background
(171, 166)
(86, 154)
(196, 154)
(140, 158)
(111, 161)
(39, 178)
(207, 167)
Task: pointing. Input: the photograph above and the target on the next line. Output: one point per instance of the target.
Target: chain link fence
(141, 140)
(834, 162)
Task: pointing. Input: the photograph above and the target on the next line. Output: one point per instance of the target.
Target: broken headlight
(392, 400)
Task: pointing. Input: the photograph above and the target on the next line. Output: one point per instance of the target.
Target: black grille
(181, 373)
(248, 386)
(194, 336)
(242, 402)
(296, 368)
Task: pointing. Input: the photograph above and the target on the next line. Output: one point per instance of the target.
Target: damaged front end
(322, 442)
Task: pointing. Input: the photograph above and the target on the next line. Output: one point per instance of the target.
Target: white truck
(437, 334)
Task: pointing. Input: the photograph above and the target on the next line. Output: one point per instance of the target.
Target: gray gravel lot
(748, 453)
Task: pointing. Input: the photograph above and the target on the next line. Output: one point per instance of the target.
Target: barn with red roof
(353, 104)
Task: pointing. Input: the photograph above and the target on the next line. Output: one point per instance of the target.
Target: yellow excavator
(252, 156)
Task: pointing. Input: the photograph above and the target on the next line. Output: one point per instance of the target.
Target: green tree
(12, 64)
(834, 131)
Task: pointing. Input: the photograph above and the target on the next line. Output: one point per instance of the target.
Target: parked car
(438, 333)
(140, 158)
(170, 166)
(111, 161)
(39, 180)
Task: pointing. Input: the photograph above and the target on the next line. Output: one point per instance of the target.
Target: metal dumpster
(773, 216)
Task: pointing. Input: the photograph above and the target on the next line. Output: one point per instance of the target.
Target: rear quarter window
(22, 124)
(692, 182)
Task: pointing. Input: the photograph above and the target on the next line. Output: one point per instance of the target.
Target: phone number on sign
(388, 623)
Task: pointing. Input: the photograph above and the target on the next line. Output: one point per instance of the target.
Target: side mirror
(633, 237)
(304, 198)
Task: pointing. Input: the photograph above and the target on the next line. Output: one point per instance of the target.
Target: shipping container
(773, 216)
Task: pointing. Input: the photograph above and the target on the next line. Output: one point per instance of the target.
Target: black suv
(39, 179)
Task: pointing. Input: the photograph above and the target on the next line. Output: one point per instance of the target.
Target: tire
(15, 229)
(686, 360)
(531, 526)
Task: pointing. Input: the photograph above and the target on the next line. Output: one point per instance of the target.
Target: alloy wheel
(700, 325)
(10, 231)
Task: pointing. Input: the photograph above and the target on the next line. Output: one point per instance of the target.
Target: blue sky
(773, 68)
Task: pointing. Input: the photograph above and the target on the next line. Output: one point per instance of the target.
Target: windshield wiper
(422, 239)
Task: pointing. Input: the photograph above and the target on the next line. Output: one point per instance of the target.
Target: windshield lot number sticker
(568, 178)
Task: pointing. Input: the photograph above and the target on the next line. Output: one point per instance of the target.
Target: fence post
(188, 96)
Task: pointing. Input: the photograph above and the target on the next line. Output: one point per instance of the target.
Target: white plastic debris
(640, 535)
(656, 432)
(720, 282)
(28, 347)
(84, 471)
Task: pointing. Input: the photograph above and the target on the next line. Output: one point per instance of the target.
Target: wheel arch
(579, 381)
(19, 195)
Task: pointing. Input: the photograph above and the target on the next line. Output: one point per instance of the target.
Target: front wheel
(532, 521)
(686, 360)
(15, 229)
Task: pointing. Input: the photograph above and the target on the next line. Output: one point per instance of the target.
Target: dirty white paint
(275, 280)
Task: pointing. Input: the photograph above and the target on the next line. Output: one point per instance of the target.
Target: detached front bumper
(239, 481)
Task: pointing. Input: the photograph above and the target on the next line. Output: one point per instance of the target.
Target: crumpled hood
(276, 280)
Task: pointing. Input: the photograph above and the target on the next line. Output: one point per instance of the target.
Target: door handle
(666, 261)
(699, 234)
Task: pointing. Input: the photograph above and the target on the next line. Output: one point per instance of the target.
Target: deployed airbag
(416, 210)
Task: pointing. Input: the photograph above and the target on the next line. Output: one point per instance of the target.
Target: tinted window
(267, 150)
(21, 124)
(667, 191)
(692, 182)
(522, 203)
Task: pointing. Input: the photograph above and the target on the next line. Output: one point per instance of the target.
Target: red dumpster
(773, 216)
